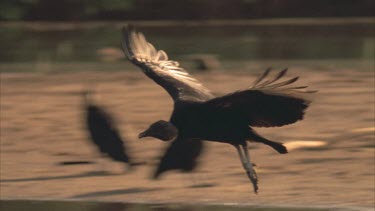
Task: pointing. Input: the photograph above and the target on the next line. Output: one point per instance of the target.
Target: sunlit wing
(156, 65)
(267, 103)
(181, 154)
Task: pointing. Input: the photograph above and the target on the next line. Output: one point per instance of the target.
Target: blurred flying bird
(103, 131)
(199, 115)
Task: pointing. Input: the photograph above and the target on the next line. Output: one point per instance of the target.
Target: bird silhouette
(198, 115)
(103, 131)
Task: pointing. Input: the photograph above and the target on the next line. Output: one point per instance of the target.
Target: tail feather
(279, 147)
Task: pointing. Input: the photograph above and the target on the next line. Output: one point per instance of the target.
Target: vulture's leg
(251, 173)
(247, 165)
(242, 156)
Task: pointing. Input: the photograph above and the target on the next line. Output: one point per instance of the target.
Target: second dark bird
(103, 131)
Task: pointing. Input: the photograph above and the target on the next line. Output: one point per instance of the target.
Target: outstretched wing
(181, 155)
(267, 103)
(167, 73)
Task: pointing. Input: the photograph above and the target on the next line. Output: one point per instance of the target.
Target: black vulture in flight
(199, 115)
(103, 131)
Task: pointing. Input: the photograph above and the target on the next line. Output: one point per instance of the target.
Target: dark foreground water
(21, 205)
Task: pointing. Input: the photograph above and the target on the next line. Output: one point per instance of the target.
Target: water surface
(32, 48)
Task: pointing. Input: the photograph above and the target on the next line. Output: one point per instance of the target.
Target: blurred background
(53, 50)
(83, 10)
(85, 33)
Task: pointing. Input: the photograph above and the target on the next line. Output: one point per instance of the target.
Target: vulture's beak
(142, 135)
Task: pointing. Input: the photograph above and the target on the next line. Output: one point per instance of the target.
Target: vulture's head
(162, 130)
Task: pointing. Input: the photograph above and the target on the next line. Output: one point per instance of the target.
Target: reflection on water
(21, 205)
(39, 49)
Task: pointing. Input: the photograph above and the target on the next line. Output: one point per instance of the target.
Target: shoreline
(194, 204)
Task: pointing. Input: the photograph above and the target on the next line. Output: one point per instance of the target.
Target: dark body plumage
(218, 120)
(104, 133)
(199, 115)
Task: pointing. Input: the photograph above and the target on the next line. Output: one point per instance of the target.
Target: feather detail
(167, 73)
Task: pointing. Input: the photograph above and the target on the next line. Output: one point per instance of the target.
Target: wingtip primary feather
(126, 30)
(280, 74)
(133, 43)
(284, 83)
(276, 78)
(261, 77)
(136, 46)
(261, 83)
